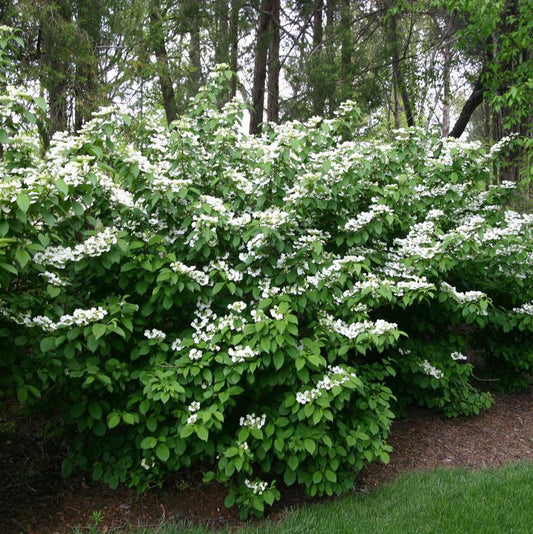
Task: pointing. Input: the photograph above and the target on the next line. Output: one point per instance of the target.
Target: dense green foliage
(252, 305)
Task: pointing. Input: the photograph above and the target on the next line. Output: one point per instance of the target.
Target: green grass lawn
(498, 501)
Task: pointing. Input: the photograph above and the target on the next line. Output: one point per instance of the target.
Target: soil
(34, 499)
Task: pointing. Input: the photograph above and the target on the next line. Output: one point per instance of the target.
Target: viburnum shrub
(253, 306)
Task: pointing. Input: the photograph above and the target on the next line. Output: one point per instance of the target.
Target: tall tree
(273, 62)
(88, 89)
(260, 66)
(158, 40)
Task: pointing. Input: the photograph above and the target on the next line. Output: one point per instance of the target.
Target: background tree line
(454, 64)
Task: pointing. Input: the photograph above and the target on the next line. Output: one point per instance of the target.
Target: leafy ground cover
(35, 499)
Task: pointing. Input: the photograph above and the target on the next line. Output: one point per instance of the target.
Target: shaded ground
(34, 499)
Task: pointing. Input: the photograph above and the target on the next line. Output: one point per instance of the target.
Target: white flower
(239, 354)
(253, 421)
(194, 406)
(526, 309)
(257, 487)
(53, 279)
(276, 314)
(95, 245)
(237, 306)
(194, 274)
(431, 370)
(154, 334)
(146, 465)
(336, 376)
(195, 354)
(192, 418)
(458, 356)
(176, 345)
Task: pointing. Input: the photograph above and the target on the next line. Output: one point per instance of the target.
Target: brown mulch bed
(34, 499)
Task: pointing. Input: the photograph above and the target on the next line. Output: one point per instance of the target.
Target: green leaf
(202, 433)
(162, 452)
(47, 344)
(289, 477)
(95, 410)
(331, 476)
(22, 394)
(40, 102)
(99, 330)
(129, 418)
(310, 446)
(53, 291)
(23, 202)
(149, 442)
(4, 136)
(9, 268)
(229, 501)
(113, 419)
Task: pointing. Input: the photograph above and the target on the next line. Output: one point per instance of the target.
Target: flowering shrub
(253, 305)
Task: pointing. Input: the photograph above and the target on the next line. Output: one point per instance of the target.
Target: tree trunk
(222, 12)
(234, 44)
(317, 92)
(330, 51)
(397, 74)
(162, 63)
(469, 107)
(87, 87)
(273, 63)
(346, 50)
(446, 56)
(56, 40)
(195, 59)
(260, 67)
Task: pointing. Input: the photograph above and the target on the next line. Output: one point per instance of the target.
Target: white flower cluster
(193, 409)
(458, 356)
(462, 298)
(214, 203)
(237, 306)
(95, 245)
(176, 185)
(272, 218)
(204, 324)
(53, 279)
(430, 370)
(420, 241)
(177, 345)
(194, 406)
(156, 334)
(253, 421)
(353, 330)
(526, 309)
(195, 354)
(332, 272)
(146, 465)
(365, 217)
(336, 376)
(258, 487)
(252, 248)
(79, 317)
(222, 266)
(240, 354)
(276, 314)
(194, 274)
